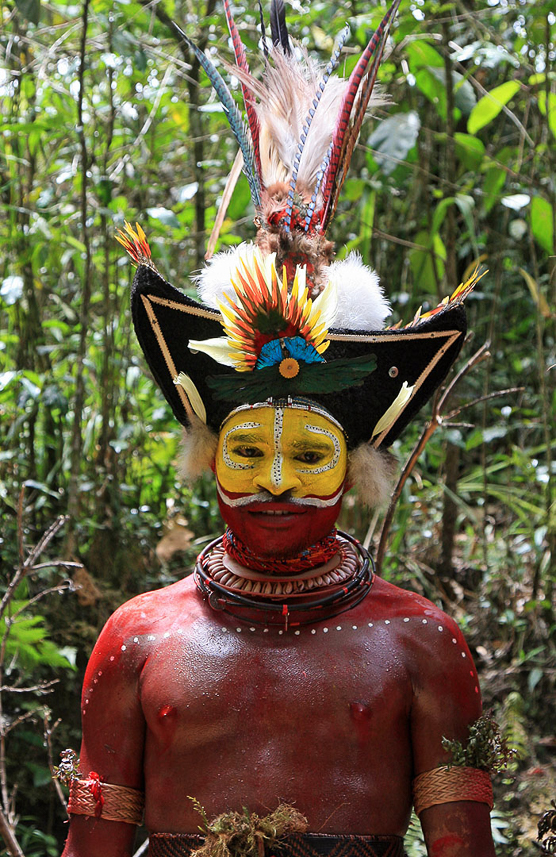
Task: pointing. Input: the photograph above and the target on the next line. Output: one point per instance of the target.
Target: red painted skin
(336, 717)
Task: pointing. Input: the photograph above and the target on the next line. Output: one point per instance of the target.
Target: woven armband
(106, 801)
(445, 785)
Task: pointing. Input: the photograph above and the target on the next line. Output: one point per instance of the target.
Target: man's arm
(446, 701)
(113, 735)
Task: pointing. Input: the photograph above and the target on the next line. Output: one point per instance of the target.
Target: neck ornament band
(311, 600)
(314, 556)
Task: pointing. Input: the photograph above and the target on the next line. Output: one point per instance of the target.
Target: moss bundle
(245, 834)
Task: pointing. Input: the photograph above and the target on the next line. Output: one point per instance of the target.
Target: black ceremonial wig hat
(296, 324)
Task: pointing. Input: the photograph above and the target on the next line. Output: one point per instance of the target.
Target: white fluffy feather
(285, 95)
(214, 281)
(361, 301)
(361, 304)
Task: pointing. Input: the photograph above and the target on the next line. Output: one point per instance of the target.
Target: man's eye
(309, 457)
(248, 451)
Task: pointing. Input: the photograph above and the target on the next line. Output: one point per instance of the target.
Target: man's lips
(269, 509)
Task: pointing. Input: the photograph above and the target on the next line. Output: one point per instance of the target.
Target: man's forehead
(251, 419)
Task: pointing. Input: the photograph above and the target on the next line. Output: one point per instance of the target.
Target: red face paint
(272, 536)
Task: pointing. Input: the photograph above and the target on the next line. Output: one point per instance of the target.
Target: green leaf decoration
(490, 105)
(256, 386)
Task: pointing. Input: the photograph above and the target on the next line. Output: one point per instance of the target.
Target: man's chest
(214, 681)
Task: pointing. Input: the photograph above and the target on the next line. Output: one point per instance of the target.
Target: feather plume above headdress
(301, 129)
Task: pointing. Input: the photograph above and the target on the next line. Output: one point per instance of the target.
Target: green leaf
(440, 213)
(240, 200)
(433, 88)
(29, 9)
(469, 150)
(167, 217)
(490, 105)
(419, 54)
(551, 109)
(493, 183)
(393, 138)
(542, 223)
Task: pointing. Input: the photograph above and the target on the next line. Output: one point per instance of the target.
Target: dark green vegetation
(103, 116)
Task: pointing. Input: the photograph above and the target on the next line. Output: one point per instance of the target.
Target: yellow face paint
(277, 449)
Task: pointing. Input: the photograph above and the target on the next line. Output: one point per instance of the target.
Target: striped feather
(234, 117)
(346, 109)
(241, 60)
(352, 134)
(332, 65)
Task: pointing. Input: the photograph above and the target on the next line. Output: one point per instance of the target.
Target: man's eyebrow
(246, 437)
(323, 445)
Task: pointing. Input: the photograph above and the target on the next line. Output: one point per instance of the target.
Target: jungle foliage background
(105, 117)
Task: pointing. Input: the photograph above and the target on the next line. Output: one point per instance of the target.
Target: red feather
(331, 189)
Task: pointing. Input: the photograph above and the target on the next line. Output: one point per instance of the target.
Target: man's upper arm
(113, 736)
(446, 701)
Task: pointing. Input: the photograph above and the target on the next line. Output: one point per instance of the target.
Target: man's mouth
(274, 510)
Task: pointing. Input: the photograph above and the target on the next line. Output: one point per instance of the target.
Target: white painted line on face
(278, 461)
(235, 465)
(337, 450)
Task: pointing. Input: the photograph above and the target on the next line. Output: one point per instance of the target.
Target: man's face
(281, 475)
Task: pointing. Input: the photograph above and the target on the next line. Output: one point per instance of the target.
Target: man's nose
(277, 477)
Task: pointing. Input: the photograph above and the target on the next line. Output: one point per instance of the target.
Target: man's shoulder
(387, 601)
(144, 611)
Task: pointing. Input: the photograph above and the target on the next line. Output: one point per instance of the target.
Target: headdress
(280, 318)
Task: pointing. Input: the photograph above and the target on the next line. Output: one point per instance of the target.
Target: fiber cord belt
(294, 845)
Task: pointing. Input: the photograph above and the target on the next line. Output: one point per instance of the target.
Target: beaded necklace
(291, 601)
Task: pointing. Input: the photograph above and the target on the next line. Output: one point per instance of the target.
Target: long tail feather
(241, 60)
(232, 112)
(346, 109)
(231, 182)
(263, 30)
(352, 135)
(278, 26)
(332, 65)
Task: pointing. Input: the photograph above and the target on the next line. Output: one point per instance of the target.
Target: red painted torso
(335, 717)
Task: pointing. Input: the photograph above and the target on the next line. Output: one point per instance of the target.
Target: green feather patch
(256, 386)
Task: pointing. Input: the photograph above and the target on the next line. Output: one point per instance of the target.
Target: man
(284, 670)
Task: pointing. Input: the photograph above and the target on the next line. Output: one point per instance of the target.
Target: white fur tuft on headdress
(215, 278)
(198, 449)
(361, 301)
(372, 472)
